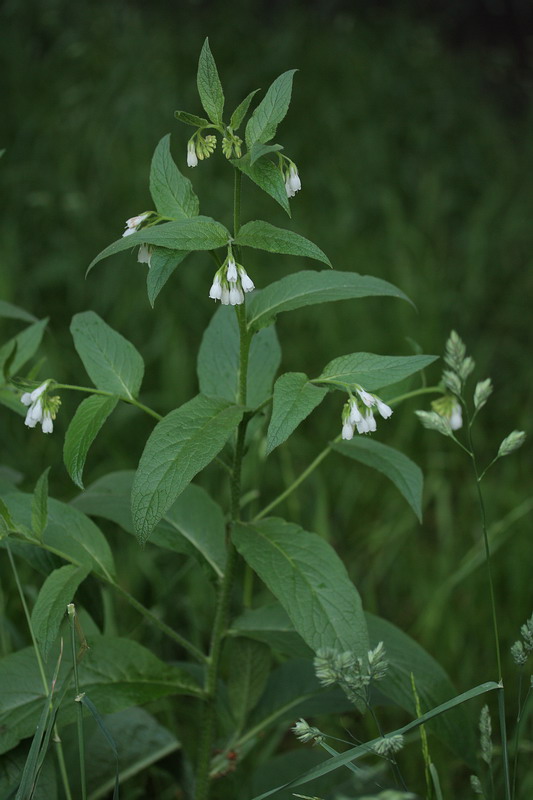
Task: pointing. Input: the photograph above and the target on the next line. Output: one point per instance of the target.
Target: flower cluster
(307, 733)
(200, 147)
(358, 414)
(41, 408)
(293, 183)
(352, 673)
(231, 144)
(230, 283)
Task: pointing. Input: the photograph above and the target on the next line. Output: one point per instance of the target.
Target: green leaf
(69, 533)
(259, 150)
(15, 312)
(209, 86)
(142, 741)
(248, 670)
(112, 363)
(433, 686)
(51, 606)
(309, 288)
(404, 473)
(270, 624)
(11, 399)
(116, 673)
(163, 264)
(39, 506)
(171, 191)
(83, 430)
(191, 119)
(241, 111)
(196, 233)
(26, 343)
(219, 354)
(294, 399)
(264, 236)
(372, 371)
(271, 110)
(6, 522)
(11, 771)
(310, 581)
(194, 524)
(181, 445)
(267, 176)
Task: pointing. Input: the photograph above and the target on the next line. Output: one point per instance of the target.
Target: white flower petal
(368, 399)
(47, 423)
(224, 298)
(246, 282)
(383, 408)
(456, 419)
(38, 391)
(26, 399)
(192, 159)
(355, 414)
(215, 292)
(30, 421)
(144, 255)
(347, 430)
(231, 271)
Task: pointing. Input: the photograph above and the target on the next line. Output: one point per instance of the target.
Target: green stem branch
(131, 400)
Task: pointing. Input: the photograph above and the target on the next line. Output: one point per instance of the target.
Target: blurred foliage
(415, 168)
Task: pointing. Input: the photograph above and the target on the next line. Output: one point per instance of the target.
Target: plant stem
(131, 400)
(521, 709)
(207, 732)
(59, 750)
(79, 715)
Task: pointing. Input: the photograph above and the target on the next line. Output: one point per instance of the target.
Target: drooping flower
(368, 399)
(192, 159)
(134, 223)
(41, 408)
(144, 256)
(230, 283)
(293, 183)
(449, 407)
(358, 415)
(383, 408)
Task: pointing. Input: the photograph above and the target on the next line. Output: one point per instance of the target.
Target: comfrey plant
(250, 671)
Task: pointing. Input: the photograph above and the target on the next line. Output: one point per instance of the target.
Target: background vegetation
(412, 135)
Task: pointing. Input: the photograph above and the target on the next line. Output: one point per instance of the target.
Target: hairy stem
(207, 731)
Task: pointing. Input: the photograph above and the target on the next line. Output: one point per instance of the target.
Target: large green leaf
(115, 674)
(11, 771)
(310, 581)
(194, 524)
(51, 605)
(219, 354)
(294, 399)
(308, 288)
(271, 110)
(264, 236)
(259, 150)
(248, 670)
(196, 233)
(163, 264)
(22, 347)
(113, 363)
(171, 191)
(372, 371)
(181, 445)
(209, 86)
(403, 472)
(69, 533)
(83, 430)
(267, 176)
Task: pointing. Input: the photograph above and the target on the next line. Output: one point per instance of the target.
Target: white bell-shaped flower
(192, 159)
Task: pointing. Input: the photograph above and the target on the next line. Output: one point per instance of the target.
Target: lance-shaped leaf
(267, 176)
(219, 354)
(39, 508)
(259, 150)
(241, 111)
(308, 288)
(194, 524)
(18, 350)
(15, 312)
(271, 110)
(83, 430)
(115, 673)
(181, 445)
(51, 605)
(196, 233)
(209, 86)
(191, 119)
(163, 264)
(113, 363)
(403, 472)
(294, 399)
(372, 371)
(264, 236)
(310, 581)
(171, 192)
(69, 533)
